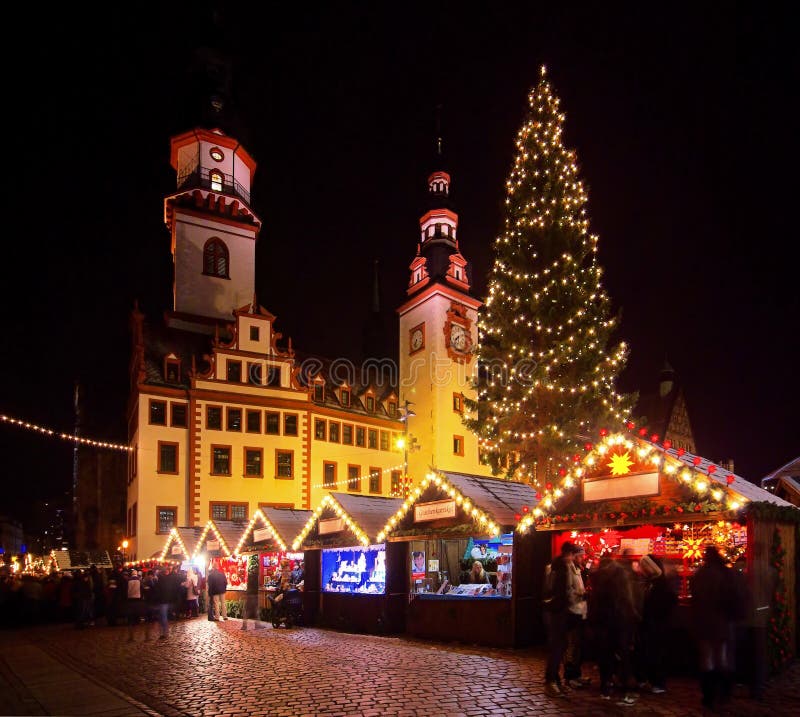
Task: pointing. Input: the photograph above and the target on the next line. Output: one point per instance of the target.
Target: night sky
(681, 120)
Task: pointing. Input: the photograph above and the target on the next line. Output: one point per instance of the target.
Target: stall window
(254, 421)
(347, 434)
(329, 475)
(166, 518)
(167, 457)
(384, 441)
(284, 464)
(234, 419)
(272, 424)
(333, 432)
(178, 415)
(360, 436)
(158, 413)
(396, 478)
(220, 460)
(375, 479)
(458, 402)
(458, 445)
(319, 429)
(290, 424)
(235, 371)
(214, 417)
(353, 478)
(254, 462)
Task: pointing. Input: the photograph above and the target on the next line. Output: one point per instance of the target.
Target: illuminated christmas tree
(548, 375)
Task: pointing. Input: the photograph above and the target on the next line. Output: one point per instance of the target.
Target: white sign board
(212, 544)
(176, 550)
(331, 525)
(434, 511)
(260, 534)
(620, 487)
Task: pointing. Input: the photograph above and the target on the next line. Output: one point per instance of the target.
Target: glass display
(354, 570)
(270, 565)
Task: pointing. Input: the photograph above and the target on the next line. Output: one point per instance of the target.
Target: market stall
(180, 545)
(450, 522)
(629, 495)
(353, 582)
(215, 547)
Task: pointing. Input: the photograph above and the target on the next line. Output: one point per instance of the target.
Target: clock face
(417, 338)
(458, 337)
(216, 154)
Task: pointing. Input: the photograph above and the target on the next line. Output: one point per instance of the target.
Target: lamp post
(405, 414)
(124, 549)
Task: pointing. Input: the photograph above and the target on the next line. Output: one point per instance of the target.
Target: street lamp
(405, 414)
(124, 549)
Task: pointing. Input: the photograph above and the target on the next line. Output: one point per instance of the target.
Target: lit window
(253, 459)
(238, 512)
(215, 258)
(167, 518)
(219, 511)
(284, 464)
(458, 445)
(396, 477)
(458, 402)
(221, 460)
(216, 180)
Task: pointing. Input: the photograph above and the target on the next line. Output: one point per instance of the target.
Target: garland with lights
(259, 515)
(780, 629)
(546, 327)
(330, 501)
(64, 436)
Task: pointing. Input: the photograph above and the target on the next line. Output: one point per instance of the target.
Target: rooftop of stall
(180, 544)
(351, 521)
(477, 508)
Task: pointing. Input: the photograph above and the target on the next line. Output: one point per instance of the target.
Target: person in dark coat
(657, 608)
(556, 608)
(163, 594)
(82, 599)
(217, 585)
(714, 597)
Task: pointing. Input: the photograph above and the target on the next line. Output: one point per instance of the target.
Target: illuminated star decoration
(620, 464)
(694, 548)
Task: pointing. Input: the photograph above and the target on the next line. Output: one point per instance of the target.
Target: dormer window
(416, 276)
(216, 180)
(458, 274)
(254, 333)
(370, 403)
(392, 408)
(319, 392)
(346, 397)
(215, 258)
(172, 370)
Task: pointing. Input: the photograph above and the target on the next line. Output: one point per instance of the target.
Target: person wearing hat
(556, 615)
(657, 608)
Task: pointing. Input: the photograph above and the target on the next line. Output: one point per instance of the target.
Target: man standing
(162, 596)
(576, 621)
(556, 616)
(217, 585)
(251, 597)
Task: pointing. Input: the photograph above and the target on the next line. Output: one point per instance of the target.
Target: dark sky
(680, 115)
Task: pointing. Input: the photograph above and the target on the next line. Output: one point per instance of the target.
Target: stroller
(289, 610)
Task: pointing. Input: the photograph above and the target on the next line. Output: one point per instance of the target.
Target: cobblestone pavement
(217, 669)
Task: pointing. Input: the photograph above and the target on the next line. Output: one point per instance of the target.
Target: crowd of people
(620, 613)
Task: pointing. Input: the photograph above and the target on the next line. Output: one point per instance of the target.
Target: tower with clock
(438, 330)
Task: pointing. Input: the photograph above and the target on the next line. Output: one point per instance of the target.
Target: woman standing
(659, 603)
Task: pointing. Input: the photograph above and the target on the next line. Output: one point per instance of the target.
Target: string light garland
(210, 526)
(544, 334)
(330, 501)
(64, 436)
(173, 537)
(259, 515)
(345, 482)
(484, 520)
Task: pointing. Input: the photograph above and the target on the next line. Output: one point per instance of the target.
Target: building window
(290, 424)
(458, 445)
(319, 392)
(215, 258)
(273, 423)
(360, 437)
(178, 415)
(372, 438)
(458, 402)
(319, 429)
(396, 483)
(166, 518)
(273, 376)
(384, 440)
(172, 370)
(354, 478)
(158, 413)
(220, 460)
(234, 371)
(333, 432)
(370, 403)
(254, 462)
(328, 475)
(253, 421)
(255, 333)
(284, 464)
(216, 180)
(347, 434)
(234, 419)
(214, 417)
(167, 457)
(239, 511)
(219, 511)
(254, 374)
(392, 408)
(346, 397)
(375, 480)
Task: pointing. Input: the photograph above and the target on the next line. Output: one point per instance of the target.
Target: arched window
(216, 180)
(215, 258)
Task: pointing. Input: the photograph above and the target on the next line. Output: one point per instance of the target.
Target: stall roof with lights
(80, 559)
(282, 523)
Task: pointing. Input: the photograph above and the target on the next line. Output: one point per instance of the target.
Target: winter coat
(217, 582)
(714, 595)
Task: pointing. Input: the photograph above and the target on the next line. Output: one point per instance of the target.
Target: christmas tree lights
(549, 376)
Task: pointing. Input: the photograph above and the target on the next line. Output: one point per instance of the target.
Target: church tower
(213, 229)
(438, 330)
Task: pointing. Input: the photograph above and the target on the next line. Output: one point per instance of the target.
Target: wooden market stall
(353, 582)
(450, 521)
(630, 495)
(180, 544)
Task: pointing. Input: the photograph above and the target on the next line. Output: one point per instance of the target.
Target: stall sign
(434, 511)
(331, 525)
(260, 534)
(212, 545)
(620, 487)
(176, 550)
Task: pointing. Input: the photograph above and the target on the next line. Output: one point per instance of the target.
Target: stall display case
(359, 569)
